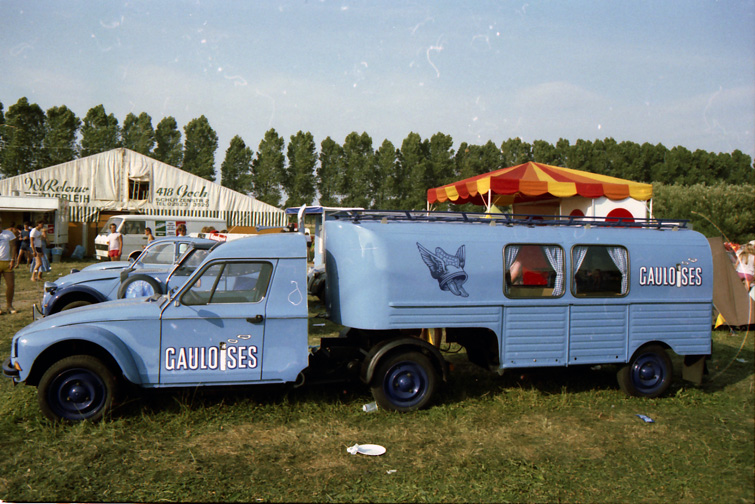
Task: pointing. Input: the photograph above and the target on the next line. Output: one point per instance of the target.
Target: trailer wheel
(648, 374)
(138, 286)
(404, 382)
(76, 388)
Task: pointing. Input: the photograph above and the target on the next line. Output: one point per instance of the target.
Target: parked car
(145, 276)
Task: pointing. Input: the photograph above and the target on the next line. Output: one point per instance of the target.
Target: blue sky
(677, 72)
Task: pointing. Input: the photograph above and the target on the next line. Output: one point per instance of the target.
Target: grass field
(545, 436)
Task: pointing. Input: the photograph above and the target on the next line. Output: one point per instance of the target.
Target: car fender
(50, 345)
(72, 290)
(376, 353)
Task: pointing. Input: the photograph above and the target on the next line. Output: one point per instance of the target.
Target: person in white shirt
(115, 244)
(7, 263)
(37, 235)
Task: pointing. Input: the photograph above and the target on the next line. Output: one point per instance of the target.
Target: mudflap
(694, 368)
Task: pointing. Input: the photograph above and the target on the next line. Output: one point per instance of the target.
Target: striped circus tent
(532, 181)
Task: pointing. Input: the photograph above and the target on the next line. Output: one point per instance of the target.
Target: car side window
(231, 282)
(533, 270)
(134, 227)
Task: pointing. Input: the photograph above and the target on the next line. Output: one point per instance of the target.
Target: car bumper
(9, 370)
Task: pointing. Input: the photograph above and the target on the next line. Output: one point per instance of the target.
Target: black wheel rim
(77, 394)
(405, 384)
(648, 373)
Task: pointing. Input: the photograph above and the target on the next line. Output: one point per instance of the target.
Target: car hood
(107, 265)
(87, 276)
(109, 311)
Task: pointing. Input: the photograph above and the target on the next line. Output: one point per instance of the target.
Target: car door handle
(256, 320)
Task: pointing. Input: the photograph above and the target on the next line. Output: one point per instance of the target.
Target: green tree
(138, 134)
(267, 169)
(59, 144)
(358, 159)
(168, 140)
(546, 153)
(235, 172)
(515, 152)
(329, 172)
(200, 145)
(436, 170)
(411, 159)
(382, 181)
(299, 175)
(22, 135)
(99, 132)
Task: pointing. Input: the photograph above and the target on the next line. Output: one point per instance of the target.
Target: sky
(676, 72)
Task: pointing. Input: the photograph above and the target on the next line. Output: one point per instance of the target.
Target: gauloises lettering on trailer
(221, 357)
(681, 275)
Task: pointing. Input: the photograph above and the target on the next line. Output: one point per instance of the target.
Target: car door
(213, 332)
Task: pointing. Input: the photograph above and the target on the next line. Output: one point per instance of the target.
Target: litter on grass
(645, 418)
(369, 408)
(366, 449)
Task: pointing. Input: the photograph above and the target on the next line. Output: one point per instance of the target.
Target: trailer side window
(600, 271)
(533, 270)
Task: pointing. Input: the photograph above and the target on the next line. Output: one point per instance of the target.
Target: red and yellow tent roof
(533, 181)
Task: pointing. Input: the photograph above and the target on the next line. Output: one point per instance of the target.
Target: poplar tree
(99, 132)
(299, 175)
(22, 135)
(267, 169)
(200, 145)
(138, 134)
(168, 147)
(59, 144)
(235, 172)
(329, 172)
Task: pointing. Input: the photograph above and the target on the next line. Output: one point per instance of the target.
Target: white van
(132, 228)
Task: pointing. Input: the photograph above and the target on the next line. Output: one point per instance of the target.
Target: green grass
(542, 436)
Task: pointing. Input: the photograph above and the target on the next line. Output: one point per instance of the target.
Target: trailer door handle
(256, 320)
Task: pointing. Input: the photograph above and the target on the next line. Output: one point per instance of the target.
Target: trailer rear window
(600, 271)
(533, 271)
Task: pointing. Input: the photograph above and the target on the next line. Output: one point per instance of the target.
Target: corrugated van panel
(685, 327)
(598, 334)
(440, 316)
(534, 336)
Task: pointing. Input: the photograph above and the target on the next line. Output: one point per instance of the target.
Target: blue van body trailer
(514, 293)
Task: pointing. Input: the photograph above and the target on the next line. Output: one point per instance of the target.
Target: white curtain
(556, 259)
(619, 258)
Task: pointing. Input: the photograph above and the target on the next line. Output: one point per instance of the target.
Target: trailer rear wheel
(404, 382)
(648, 374)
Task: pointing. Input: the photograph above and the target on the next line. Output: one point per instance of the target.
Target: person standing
(150, 236)
(25, 247)
(37, 236)
(746, 264)
(181, 230)
(115, 244)
(7, 263)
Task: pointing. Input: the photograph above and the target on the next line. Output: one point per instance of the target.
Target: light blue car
(145, 276)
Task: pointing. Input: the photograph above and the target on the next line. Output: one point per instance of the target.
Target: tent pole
(490, 199)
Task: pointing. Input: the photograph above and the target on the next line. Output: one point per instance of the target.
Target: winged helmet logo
(447, 269)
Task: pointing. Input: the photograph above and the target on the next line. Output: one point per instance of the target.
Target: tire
(404, 382)
(139, 286)
(76, 388)
(75, 304)
(648, 374)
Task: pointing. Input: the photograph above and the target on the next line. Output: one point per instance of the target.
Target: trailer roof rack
(385, 216)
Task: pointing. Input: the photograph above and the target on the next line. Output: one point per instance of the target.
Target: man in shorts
(115, 244)
(7, 263)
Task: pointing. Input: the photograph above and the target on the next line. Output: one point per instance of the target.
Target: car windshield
(112, 220)
(157, 253)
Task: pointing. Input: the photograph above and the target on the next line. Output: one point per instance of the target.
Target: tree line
(352, 173)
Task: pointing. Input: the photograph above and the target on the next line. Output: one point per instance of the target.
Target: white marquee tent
(121, 180)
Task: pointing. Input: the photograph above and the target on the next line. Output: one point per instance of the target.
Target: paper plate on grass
(366, 449)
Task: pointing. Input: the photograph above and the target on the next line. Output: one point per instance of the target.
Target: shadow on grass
(467, 381)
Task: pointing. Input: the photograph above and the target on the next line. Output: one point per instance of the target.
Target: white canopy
(124, 180)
